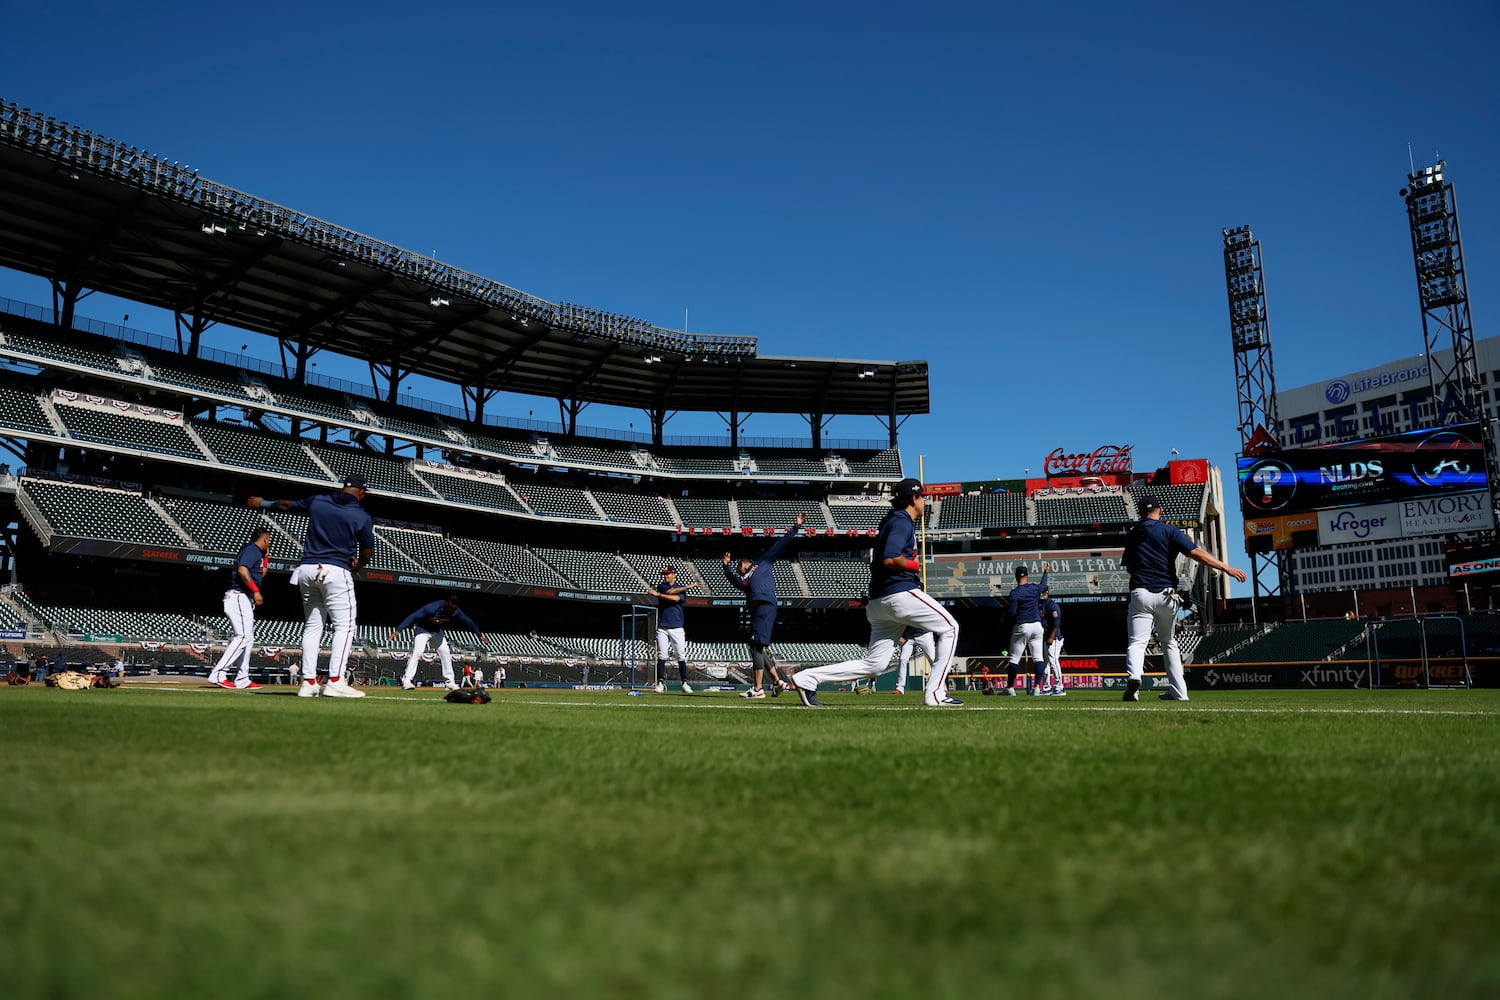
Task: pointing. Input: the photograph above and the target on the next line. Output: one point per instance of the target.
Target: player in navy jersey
(1151, 551)
(896, 601)
(1052, 644)
(240, 602)
(340, 540)
(757, 578)
(431, 622)
(1026, 627)
(671, 636)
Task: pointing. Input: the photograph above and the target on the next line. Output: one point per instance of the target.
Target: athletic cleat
(946, 702)
(1132, 690)
(661, 688)
(408, 686)
(686, 689)
(777, 688)
(225, 684)
(755, 694)
(1037, 692)
(1058, 693)
(341, 689)
(309, 689)
(1008, 692)
(252, 686)
(1170, 696)
(809, 698)
(900, 691)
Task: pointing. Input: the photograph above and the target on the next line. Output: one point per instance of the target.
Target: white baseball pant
(922, 642)
(1026, 636)
(327, 598)
(1149, 608)
(1053, 674)
(239, 607)
(889, 616)
(419, 646)
(668, 639)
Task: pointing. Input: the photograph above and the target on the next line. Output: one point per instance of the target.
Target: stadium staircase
(171, 522)
(1220, 656)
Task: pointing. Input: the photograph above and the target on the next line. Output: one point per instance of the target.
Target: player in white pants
(912, 641)
(431, 622)
(340, 539)
(1151, 550)
(1052, 640)
(670, 634)
(896, 601)
(240, 602)
(1025, 608)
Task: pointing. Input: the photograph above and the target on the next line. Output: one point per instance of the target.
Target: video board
(1411, 466)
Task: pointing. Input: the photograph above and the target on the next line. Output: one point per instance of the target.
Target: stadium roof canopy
(90, 212)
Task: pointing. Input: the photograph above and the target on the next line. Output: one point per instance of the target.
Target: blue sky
(1030, 197)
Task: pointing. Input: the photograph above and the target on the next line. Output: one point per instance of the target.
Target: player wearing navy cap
(240, 602)
(670, 634)
(431, 621)
(896, 601)
(1026, 626)
(1052, 644)
(340, 539)
(757, 578)
(1151, 550)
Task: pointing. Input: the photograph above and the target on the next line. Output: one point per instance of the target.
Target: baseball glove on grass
(468, 696)
(70, 680)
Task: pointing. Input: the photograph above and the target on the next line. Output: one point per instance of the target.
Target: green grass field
(204, 843)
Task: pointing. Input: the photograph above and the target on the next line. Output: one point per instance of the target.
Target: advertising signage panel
(1411, 466)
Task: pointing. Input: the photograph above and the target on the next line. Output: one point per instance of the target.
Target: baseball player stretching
(240, 602)
(896, 601)
(431, 621)
(1026, 630)
(340, 539)
(1151, 549)
(670, 636)
(1052, 640)
(912, 640)
(757, 578)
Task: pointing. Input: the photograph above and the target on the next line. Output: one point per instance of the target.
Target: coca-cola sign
(1104, 460)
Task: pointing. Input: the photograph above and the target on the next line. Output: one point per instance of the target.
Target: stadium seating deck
(23, 410)
(78, 511)
(703, 512)
(983, 510)
(558, 501)
(475, 492)
(512, 562)
(1222, 638)
(599, 571)
(440, 556)
(859, 517)
(634, 508)
(87, 424)
(254, 449)
(1082, 509)
(216, 527)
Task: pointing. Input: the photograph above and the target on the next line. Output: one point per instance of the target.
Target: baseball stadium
(626, 829)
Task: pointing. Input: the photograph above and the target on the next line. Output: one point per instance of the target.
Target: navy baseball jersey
(1151, 548)
(254, 560)
(897, 537)
(338, 528)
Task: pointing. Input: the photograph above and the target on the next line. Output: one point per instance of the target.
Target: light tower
(1255, 382)
(1443, 291)
(1444, 294)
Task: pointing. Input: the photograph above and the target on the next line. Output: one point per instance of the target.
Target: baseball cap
(668, 569)
(1022, 571)
(1149, 502)
(907, 488)
(355, 479)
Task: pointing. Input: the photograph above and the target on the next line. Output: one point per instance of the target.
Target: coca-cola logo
(1104, 460)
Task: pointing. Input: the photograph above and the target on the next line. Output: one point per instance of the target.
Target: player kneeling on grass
(896, 601)
(757, 578)
(431, 621)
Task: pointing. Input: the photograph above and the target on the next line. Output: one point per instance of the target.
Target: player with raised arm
(431, 622)
(340, 540)
(670, 634)
(896, 601)
(757, 578)
(1151, 550)
(1025, 613)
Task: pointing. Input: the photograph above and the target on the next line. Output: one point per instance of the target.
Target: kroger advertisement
(1411, 466)
(1443, 515)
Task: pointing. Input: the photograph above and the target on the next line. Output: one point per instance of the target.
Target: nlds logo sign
(1351, 472)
